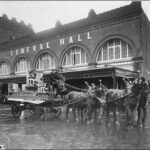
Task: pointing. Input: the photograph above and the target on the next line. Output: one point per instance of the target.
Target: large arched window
(45, 62)
(114, 49)
(22, 66)
(75, 56)
(4, 68)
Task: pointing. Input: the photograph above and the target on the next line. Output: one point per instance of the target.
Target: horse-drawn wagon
(52, 95)
(38, 104)
(37, 98)
(44, 95)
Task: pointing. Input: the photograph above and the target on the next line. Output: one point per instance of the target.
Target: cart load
(36, 97)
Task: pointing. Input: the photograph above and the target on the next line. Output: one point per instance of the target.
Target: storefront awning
(82, 74)
(101, 72)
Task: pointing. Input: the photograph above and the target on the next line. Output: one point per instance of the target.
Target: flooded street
(26, 133)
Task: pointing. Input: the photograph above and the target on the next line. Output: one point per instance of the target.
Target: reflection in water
(27, 134)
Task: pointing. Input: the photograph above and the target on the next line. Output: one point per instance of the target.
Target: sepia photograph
(74, 74)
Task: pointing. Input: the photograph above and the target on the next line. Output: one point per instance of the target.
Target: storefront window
(21, 66)
(114, 49)
(45, 62)
(75, 56)
(4, 68)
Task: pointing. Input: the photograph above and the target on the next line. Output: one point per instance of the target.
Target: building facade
(10, 29)
(110, 44)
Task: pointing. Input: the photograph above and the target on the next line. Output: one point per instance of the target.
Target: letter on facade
(22, 50)
(34, 47)
(70, 39)
(89, 36)
(47, 45)
(11, 53)
(79, 38)
(62, 42)
(16, 51)
(41, 46)
(28, 50)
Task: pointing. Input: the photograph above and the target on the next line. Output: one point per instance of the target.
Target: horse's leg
(139, 114)
(115, 115)
(100, 112)
(67, 111)
(82, 113)
(132, 116)
(128, 110)
(107, 113)
(144, 115)
(95, 112)
(74, 113)
(127, 116)
(89, 113)
(85, 110)
(78, 110)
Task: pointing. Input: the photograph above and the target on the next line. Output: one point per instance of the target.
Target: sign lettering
(46, 45)
(34, 47)
(62, 42)
(79, 38)
(22, 50)
(70, 39)
(28, 50)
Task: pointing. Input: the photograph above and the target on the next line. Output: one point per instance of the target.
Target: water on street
(26, 133)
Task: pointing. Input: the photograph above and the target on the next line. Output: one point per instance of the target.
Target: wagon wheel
(16, 110)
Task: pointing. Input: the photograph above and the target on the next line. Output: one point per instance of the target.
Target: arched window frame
(4, 68)
(22, 65)
(100, 57)
(76, 57)
(45, 58)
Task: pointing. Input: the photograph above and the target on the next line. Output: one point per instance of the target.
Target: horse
(77, 101)
(89, 100)
(131, 102)
(72, 98)
(113, 101)
(143, 103)
(95, 101)
(80, 101)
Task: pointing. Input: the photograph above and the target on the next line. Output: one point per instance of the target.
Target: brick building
(105, 46)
